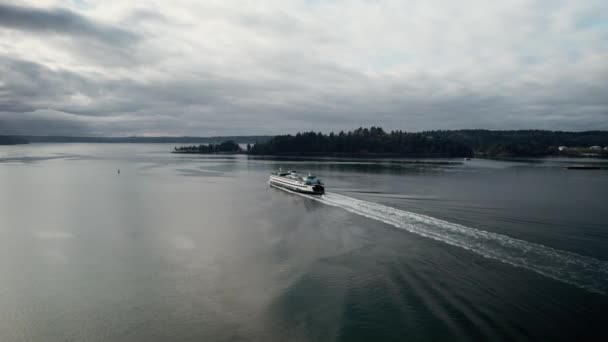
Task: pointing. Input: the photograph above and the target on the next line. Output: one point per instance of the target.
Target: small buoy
(118, 171)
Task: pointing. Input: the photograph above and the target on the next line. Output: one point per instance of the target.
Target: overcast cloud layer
(264, 67)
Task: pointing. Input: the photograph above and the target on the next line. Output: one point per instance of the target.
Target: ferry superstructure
(294, 181)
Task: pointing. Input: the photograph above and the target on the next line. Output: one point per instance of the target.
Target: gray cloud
(62, 21)
(209, 69)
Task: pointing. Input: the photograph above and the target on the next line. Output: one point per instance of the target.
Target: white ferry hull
(290, 184)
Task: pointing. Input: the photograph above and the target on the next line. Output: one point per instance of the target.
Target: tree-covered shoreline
(529, 143)
(374, 142)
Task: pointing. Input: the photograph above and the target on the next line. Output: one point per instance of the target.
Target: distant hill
(12, 140)
(157, 140)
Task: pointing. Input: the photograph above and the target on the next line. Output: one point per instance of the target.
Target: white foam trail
(584, 272)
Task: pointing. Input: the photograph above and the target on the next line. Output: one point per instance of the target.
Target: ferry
(292, 180)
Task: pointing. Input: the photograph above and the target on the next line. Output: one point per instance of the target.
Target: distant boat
(467, 158)
(292, 180)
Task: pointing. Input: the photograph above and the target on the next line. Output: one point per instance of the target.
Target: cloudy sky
(80, 67)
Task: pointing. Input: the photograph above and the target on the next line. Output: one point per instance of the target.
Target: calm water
(199, 248)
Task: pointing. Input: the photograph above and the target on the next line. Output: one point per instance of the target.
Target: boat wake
(584, 272)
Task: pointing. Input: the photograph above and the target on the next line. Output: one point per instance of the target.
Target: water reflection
(201, 248)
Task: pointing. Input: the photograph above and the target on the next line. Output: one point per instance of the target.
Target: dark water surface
(199, 248)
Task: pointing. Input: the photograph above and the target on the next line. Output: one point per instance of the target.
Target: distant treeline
(224, 147)
(364, 142)
(12, 140)
(522, 143)
(158, 140)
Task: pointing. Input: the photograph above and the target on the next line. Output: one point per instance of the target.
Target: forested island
(228, 146)
(457, 143)
(362, 142)
(12, 140)
(375, 142)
